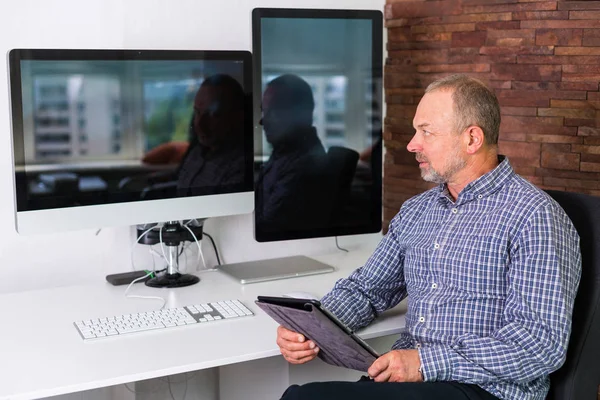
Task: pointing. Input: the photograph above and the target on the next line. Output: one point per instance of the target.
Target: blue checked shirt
(490, 279)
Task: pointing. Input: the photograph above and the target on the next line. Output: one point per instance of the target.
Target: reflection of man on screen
(213, 158)
(216, 153)
(292, 185)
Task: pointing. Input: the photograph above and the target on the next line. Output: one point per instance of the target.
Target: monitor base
(172, 280)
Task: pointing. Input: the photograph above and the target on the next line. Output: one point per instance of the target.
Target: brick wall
(541, 57)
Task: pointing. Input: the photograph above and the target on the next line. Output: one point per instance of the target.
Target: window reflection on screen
(116, 130)
(103, 110)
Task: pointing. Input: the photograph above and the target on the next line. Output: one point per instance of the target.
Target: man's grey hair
(474, 104)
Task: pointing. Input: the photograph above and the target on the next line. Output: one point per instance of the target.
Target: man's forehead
(423, 123)
(433, 109)
(424, 115)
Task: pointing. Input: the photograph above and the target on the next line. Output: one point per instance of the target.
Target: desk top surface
(43, 355)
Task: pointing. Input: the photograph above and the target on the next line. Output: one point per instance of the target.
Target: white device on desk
(161, 319)
(276, 268)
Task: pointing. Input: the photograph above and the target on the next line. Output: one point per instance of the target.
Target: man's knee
(290, 393)
(308, 391)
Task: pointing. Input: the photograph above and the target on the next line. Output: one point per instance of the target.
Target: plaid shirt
(490, 278)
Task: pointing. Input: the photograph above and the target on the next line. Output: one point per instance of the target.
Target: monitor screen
(318, 97)
(121, 137)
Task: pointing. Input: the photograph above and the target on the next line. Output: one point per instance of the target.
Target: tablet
(337, 343)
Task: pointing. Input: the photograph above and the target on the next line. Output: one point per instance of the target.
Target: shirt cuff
(332, 304)
(328, 301)
(437, 363)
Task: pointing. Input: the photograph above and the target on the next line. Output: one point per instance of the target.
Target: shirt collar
(485, 185)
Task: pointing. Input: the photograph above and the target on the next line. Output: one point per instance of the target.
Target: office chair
(579, 377)
(342, 166)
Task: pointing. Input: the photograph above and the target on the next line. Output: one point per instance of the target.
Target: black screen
(95, 127)
(318, 97)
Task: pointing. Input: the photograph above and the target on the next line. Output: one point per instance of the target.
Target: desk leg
(266, 379)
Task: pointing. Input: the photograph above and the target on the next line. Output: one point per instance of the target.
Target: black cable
(214, 246)
(338, 246)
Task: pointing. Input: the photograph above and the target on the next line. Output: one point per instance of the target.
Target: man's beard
(454, 164)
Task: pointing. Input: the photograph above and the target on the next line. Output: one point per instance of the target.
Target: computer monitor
(318, 101)
(318, 97)
(124, 137)
(128, 137)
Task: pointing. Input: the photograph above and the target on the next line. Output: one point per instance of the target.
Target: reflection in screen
(103, 131)
(320, 151)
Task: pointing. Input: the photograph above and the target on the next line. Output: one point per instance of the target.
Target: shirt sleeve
(372, 288)
(542, 279)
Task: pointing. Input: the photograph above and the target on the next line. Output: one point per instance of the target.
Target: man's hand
(294, 347)
(397, 366)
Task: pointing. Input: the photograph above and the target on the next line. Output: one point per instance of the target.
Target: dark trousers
(366, 389)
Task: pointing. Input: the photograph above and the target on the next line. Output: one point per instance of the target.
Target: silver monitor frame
(50, 220)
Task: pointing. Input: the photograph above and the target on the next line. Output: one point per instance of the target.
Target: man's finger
(290, 335)
(302, 360)
(379, 365)
(296, 358)
(383, 376)
(295, 346)
(297, 355)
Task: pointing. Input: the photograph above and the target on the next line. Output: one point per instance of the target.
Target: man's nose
(413, 146)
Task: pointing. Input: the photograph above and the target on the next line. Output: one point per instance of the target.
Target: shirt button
(434, 285)
(454, 210)
(421, 319)
(418, 346)
(436, 246)
(480, 196)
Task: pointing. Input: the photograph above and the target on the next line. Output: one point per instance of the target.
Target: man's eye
(426, 133)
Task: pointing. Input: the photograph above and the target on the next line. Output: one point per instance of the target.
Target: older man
(489, 262)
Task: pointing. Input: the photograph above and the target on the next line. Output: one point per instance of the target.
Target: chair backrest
(342, 166)
(342, 162)
(579, 377)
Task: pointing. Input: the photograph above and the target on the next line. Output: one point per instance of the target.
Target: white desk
(39, 362)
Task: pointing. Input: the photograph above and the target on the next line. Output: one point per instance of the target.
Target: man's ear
(475, 139)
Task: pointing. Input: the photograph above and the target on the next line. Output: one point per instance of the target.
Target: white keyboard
(98, 328)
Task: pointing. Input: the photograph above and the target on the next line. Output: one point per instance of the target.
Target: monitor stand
(172, 278)
(173, 233)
